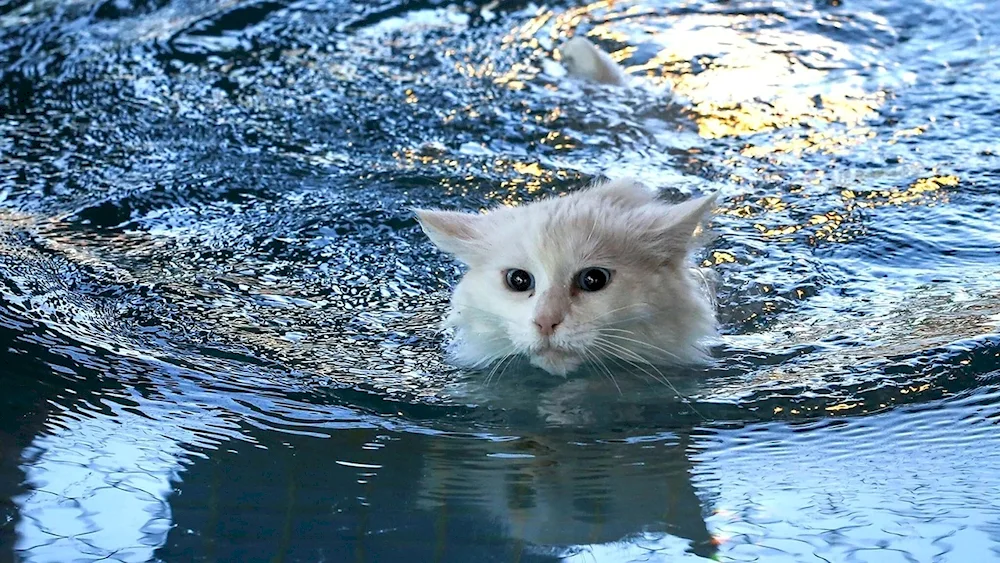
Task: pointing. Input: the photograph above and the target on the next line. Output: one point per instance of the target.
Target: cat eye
(520, 280)
(593, 279)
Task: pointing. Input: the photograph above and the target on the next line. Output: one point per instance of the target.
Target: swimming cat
(583, 59)
(599, 274)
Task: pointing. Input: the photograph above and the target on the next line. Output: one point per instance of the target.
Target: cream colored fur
(655, 308)
(583, 59)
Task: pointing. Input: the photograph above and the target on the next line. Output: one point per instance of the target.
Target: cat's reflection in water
(568, 489)
(373, 494)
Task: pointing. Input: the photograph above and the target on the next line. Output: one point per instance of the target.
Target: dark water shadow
(368, 495)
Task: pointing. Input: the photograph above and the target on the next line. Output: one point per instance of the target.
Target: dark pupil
(519, 280)
(593, 279)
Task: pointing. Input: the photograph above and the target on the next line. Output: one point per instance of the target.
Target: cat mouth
(558, 361)
(552, 353)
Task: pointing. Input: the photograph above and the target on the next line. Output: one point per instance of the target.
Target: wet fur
(582, 59)
(655, 309)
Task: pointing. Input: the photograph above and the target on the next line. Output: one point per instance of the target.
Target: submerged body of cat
(599, 274)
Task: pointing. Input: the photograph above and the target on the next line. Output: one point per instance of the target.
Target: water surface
(219, 319)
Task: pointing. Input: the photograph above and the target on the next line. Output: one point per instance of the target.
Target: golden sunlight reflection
(519, 181)
(740, 73)
(924, 191)
(530, 179)
(797, 143)
(755, 82)
(830, 226)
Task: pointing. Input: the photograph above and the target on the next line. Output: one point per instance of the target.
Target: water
(218, 318)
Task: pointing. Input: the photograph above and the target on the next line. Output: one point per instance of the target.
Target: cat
(599, 274)
(585, 60)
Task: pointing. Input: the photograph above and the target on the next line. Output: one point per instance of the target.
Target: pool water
(219, 321)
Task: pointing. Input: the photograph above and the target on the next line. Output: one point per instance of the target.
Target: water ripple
(207, 260)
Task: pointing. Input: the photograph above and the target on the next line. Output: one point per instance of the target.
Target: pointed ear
(459, 234)
(677, 227)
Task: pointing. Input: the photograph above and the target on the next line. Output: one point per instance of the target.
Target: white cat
(583, 59)
(600, 274)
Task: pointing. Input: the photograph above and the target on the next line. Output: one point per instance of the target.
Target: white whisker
(615, 351)
(603, 329)
(606, 313)
(493, 370)
(618, 351)
(597, 361)
(592, 229)
(667, 353)
(478, 310)
(644, 317)
(497, 365)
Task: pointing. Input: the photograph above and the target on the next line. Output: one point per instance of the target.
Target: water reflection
(118, 469)
(881, 488)
(219, 317)
(741, 68)
(94, 451)
(130, 460)
(375, 495)
(109, 475)
(96, 488)
(561, 488)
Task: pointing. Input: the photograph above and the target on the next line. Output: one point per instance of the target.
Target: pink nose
(547, 324)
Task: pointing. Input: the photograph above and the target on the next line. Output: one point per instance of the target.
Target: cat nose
(547, 324)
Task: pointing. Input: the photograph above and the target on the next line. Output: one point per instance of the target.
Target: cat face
(596, 275)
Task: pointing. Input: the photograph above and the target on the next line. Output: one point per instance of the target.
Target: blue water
(218, 319)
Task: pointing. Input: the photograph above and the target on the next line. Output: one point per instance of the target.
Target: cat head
(598, 274)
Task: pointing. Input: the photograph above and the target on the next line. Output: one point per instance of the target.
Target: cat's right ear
(459, 234)
(677, 227)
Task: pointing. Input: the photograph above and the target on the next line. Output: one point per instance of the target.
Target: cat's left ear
(459, 234)
(677, 227)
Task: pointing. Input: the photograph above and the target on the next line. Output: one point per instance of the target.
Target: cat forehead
(563, 232)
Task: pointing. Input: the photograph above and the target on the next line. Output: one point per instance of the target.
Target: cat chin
(473, 353)
(556, 362)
